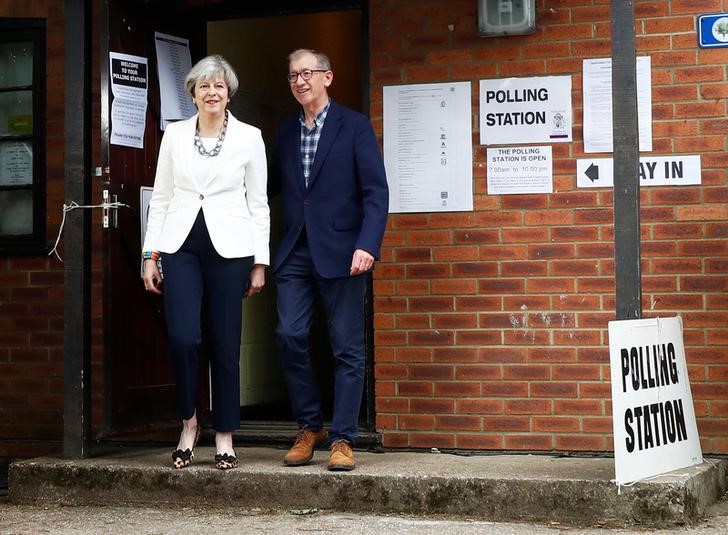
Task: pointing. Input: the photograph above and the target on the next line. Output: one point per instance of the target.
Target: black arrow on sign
(592, 172)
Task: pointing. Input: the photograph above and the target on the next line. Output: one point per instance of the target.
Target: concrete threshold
(531, 488)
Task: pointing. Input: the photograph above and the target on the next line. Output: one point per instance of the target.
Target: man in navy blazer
(335, 202)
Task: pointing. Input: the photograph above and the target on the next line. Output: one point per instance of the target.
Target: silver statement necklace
(216, 149)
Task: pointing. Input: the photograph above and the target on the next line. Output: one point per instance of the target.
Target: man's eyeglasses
(306, 74)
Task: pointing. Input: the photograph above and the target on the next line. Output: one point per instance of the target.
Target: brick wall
(490, 326)
(31, 287)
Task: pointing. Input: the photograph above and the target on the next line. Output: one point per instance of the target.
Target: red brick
(553, 390)
(406, 321)
(581, 443)
(457, 389)
(455, 354)
(415, 389)
(479, 442)
(432, 440)
(454, 321)
(458, 423)
(416, 423)
(414, 354)
(392, 405)
(431, 304)
(528, 406)
(556, 424)
(479, 406)
(432, 372)
(529, 442)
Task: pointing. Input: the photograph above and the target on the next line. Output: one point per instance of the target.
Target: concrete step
(540, 488)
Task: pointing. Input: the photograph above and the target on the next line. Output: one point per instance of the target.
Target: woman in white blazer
(209, 223)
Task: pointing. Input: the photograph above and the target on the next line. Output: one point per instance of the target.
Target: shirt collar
(320, 118)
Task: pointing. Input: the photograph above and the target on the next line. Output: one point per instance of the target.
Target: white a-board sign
(653, 415)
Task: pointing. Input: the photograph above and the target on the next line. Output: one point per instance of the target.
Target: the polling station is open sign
(653, 415)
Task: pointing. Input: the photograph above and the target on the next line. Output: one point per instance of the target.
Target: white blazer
(233, 199)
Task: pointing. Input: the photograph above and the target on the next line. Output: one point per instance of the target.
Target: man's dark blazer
(345, 206)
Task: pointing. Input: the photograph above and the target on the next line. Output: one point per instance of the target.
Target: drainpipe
(77, 231)
(626, 163)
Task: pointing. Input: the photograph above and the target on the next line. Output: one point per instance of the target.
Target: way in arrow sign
(592, 172)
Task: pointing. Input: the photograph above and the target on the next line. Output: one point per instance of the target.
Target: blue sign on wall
(713, 30)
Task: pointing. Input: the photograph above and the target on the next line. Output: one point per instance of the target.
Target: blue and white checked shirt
(310, 139)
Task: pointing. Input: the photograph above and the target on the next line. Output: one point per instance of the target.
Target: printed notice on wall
(598, 104)
(16, 163)
(520, 170)
(129, 108)
(428, 147)
(525, 110)
(173, 64)
(652, 406)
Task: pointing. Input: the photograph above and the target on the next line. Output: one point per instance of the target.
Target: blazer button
(305, 202)
(201, 196)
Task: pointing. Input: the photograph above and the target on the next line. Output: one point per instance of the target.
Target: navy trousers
(298, 286)
(197, 279)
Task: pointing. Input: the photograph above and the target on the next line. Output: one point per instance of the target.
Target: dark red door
(139, 389)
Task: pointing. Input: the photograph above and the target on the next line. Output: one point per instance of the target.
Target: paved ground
(17, 520)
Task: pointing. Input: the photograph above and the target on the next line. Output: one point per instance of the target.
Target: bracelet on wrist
(151, 255)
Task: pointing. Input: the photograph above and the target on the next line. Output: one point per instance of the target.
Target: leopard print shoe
(183, 458)
(225, 461)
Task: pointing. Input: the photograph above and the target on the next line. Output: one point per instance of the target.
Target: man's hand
(361, 262)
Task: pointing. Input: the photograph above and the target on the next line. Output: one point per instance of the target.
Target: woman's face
(211, 95)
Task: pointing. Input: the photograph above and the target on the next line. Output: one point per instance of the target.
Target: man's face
(311, 92)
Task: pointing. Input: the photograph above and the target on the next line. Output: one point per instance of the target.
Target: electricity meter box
(506, 17)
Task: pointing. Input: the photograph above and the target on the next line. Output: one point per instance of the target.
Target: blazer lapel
(332, 125)
(293, 144)
(187, 134)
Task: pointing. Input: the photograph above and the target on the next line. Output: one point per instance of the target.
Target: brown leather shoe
(302, 451)
(342, 458)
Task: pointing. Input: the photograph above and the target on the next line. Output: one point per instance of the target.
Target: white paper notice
(16, 163)
(525, 110)
(173, 64)
(598, 104)
(428, 147)
(129, 108)
(520, 170)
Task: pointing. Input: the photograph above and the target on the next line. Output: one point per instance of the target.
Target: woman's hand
(257, 280)
(152, 277)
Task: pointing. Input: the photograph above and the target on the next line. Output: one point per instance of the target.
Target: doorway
(264, 100)
(139, 389)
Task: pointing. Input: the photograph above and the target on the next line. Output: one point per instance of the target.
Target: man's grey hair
(322, 59)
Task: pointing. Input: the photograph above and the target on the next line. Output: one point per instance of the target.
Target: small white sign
(682, 170)
(652, 405)
(520, 170)
(525, 110)
(16, 163)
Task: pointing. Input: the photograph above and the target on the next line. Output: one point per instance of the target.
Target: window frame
(31, 30)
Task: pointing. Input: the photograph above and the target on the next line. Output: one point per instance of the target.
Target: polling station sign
(652, 406)
(525, 110)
